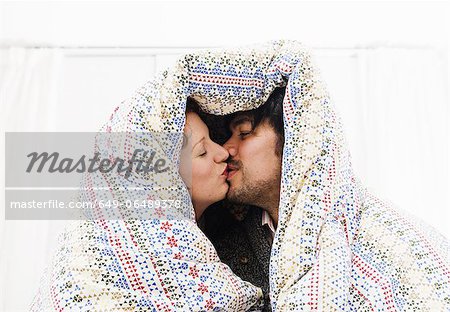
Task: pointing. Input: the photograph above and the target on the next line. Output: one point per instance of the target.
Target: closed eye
(244, 134)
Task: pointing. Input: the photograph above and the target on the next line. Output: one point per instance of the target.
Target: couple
(337, 246)
(247, 170)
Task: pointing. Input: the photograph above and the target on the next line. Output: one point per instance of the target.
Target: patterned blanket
(337, 247)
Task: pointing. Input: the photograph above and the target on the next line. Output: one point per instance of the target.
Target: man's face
(254, 168)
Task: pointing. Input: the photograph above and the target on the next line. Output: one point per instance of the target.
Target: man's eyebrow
(239, 121)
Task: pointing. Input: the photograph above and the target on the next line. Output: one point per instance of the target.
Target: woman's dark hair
(192, 106)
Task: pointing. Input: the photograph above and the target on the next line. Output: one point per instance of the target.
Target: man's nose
(231, 147)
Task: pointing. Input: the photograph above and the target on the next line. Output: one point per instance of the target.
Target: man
(243, 237)
(256, 148)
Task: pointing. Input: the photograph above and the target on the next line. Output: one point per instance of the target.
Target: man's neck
(273, 212)
(271, 206)
(270, 203)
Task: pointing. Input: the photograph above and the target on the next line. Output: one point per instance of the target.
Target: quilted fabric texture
(337, 247)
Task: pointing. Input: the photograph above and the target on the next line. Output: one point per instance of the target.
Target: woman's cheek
(201, 172)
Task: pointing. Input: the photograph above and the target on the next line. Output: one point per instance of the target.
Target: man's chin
(230, 194)
(233, 197)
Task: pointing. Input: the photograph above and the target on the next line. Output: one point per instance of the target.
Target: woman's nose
(222, 154)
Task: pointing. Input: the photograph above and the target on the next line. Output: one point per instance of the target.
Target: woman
(202, 165)
(160, 260)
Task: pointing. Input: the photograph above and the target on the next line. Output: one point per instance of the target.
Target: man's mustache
(234, 164)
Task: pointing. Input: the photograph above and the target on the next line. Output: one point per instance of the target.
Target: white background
(386, 65)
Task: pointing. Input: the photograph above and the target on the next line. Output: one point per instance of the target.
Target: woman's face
(202, 165)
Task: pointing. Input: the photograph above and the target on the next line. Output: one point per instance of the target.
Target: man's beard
(252, 191)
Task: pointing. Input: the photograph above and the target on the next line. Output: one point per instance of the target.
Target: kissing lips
(225, 171)
(231, 171)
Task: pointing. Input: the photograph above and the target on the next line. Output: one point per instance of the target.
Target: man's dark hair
(272, 112)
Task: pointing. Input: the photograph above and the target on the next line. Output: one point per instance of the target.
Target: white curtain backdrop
(29, 85)
(28, 96)
(403, 131)
(393, 102)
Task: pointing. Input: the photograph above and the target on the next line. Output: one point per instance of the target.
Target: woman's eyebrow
(202, 139)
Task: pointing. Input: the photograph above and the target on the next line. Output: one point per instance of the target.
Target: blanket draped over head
(337, 247)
